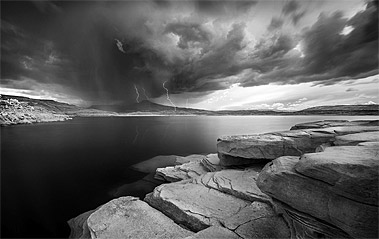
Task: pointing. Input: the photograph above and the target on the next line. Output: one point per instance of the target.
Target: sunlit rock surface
(186, 167)
(350, 171)
(269, 146)
(181, 172)
(212, 163)
(194, 205)
(258, 220)
(319, 199)
(129, 217)
(239, 183)
(354, 139)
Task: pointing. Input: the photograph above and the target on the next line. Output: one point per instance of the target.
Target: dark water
(52, 172)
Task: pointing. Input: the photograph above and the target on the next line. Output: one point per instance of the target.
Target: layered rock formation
(321, 180)
(245, 149)
(129, 217)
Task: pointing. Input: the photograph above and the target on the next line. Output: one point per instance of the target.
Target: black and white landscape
(189, 119)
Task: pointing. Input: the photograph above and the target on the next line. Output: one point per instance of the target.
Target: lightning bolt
(168, 96)
(119, 45)
(135, 87)
(144, 92)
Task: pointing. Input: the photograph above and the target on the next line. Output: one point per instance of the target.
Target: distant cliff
(23, 110)
(18, 111)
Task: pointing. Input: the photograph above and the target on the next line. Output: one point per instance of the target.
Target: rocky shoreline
(317, 180)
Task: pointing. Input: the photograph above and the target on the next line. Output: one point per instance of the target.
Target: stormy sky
(266, 54)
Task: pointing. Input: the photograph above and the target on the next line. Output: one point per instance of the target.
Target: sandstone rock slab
(244, 148)
(129, 217)
(214, 232)
(350, 171)
(258, 220)
(181, 172)
(316, 198)
(194, 205)
(212, 163)
(239, 183)
(354, 139)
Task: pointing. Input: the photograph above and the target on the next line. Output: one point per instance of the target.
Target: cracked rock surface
(129, 217)
(354, 139)
(181, 172)
(319, 199)
(285, 143)
(239, 183)
(194, 205)
(258, 220)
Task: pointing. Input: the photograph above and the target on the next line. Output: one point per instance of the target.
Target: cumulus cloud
(103, 49)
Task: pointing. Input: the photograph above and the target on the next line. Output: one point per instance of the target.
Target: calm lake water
(52, 172)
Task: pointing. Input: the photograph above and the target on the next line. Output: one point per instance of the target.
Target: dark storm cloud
(290, 7)
(216, 63)
(102, 49)
(275, 46)
(329, 56)
(189, 33)
(276, 23)
(224, 7)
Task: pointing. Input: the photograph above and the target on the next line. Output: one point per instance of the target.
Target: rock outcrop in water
(303, 191)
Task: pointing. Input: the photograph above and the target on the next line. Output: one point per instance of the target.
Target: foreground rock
(212, 163)
(266, 147)
(322, 202)
(354, 139)
(194, 205)
(258, 220)
(352, 172)
(129, 217)
(239, 183)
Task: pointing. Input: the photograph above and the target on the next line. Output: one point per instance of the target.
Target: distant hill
(150, 107)
(342, 110)
(17, 109)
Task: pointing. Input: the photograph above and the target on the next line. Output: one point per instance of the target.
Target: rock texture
(350, 171)
(266, 147)
(212, 163)
(258, 220)
(194, 205)
(320, 200)
(129, 217)
(181, 172)
(354, 139)
(239, 183)
(214, 232)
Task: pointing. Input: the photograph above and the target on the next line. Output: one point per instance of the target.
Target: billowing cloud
(103, 50)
